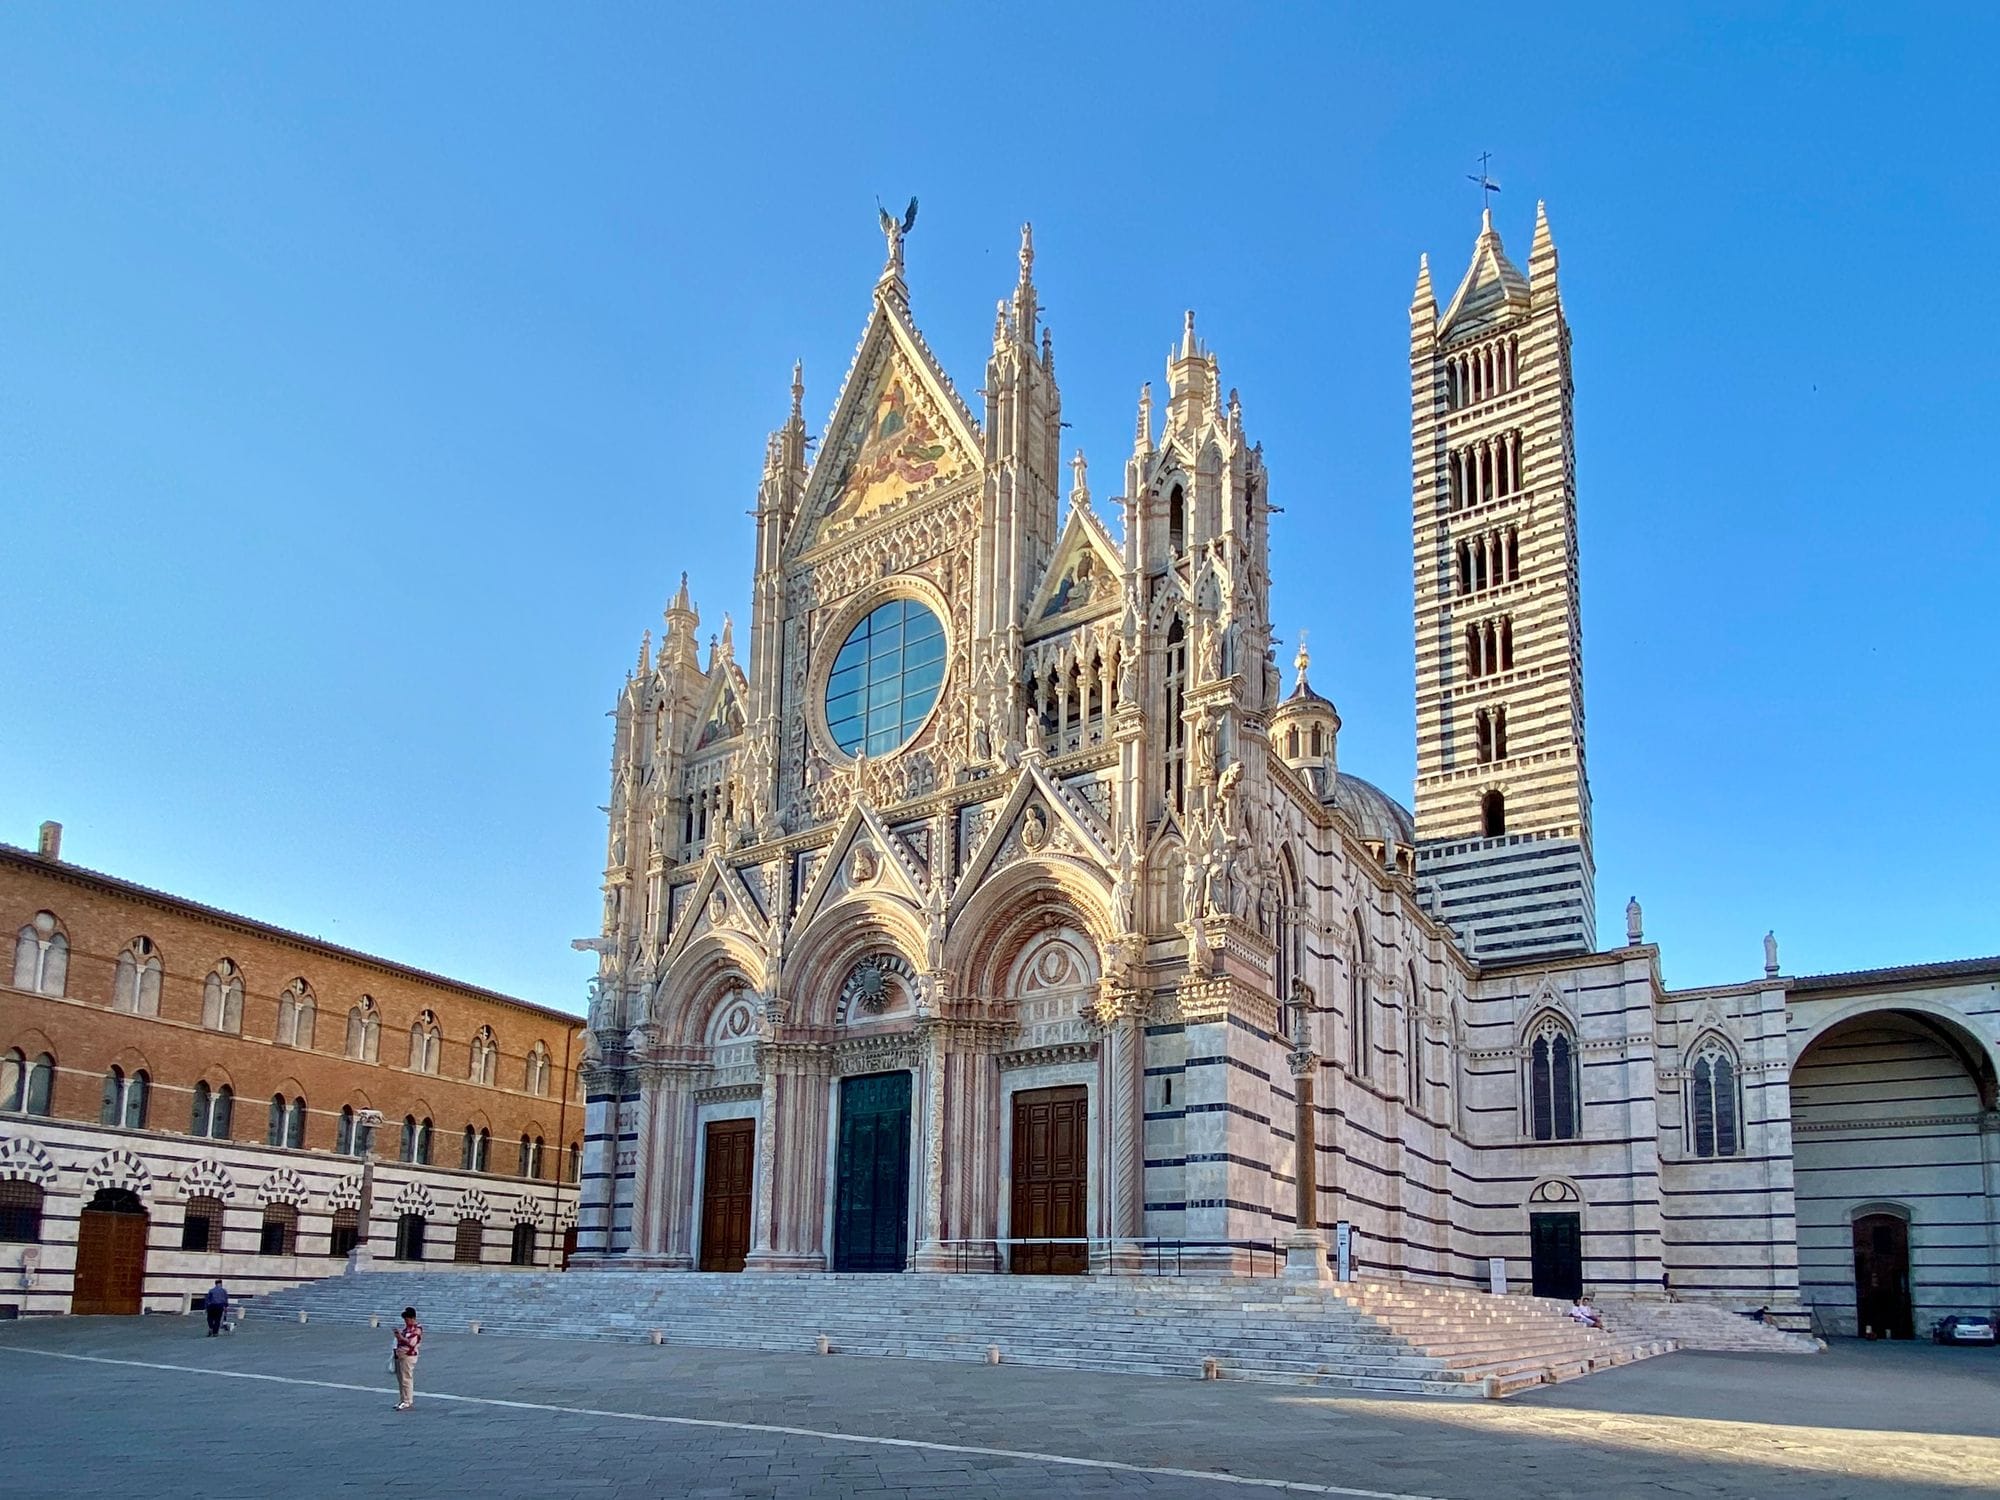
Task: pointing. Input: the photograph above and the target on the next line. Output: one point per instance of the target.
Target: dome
(1376, 816)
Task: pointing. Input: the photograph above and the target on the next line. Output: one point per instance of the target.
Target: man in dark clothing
(217, 1303)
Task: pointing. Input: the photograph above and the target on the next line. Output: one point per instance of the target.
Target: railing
(1156, 1256)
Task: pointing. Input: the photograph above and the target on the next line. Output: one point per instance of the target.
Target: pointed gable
(899, 433)
(1082, 578)
(723, 713)
(1493, 289)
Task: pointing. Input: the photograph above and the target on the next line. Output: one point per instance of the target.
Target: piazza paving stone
(151, 1406)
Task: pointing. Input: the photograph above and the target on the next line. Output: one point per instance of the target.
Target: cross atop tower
(1487, 186)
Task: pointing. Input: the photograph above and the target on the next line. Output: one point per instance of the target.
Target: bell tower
(1502, 797)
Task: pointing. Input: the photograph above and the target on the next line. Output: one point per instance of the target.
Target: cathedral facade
(1003, 909)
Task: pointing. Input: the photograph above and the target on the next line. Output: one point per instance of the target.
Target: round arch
(710, 968)
(838, 938)
(1021, 902)
(1978, 1053)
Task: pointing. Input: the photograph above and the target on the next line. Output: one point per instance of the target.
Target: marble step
(1164, 1326)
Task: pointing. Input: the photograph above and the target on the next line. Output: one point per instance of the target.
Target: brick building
(180, 1089)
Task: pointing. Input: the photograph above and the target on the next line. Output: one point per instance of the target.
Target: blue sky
(368, 374)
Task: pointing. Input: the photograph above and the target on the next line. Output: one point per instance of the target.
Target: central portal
(1051, 1181)
(871, 1210)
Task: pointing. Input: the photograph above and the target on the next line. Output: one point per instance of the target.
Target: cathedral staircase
(1700, 1325)
(1367, 1336)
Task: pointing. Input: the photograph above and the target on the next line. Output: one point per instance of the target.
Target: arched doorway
(1889, 1171)
(111, 1254)
(1882, 1276)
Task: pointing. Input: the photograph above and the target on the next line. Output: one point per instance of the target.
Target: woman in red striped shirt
(409, 1339)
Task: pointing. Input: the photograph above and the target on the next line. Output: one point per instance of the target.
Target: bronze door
(110, 1255)
(725, 1194)
(871, 1204)
(1051, 1181)
(1882, 1277)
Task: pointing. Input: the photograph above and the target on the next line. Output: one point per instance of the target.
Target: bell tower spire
(1502, 795)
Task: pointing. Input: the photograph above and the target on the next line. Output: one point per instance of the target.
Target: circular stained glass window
(886, 678)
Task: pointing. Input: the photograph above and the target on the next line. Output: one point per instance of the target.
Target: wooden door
(1882, 1277)
(871, 1216)
(110, 1255)
(1556, 1241)
(725, 1194)
(1051, 1181)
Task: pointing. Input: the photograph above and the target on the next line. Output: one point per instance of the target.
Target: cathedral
(1002, 908)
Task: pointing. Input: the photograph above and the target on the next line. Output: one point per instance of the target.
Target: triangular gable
(1032, 788)
(899, 432)
(700, 914)
(723, 707)
(1493, 287)
(1082, 580)
(892, 871)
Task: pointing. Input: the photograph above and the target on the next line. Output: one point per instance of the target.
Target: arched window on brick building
(135, 987)
(41, 956)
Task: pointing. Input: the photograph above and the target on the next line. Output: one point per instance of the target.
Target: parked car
(1963, 1328)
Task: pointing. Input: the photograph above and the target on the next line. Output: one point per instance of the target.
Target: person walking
(216, 1303)
(409, 1339)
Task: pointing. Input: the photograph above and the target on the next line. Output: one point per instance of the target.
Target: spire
(1542, 253)
(1301, 661)
(1191, 381)
(1079, 491)
(728, 639)
(798, 390)
(1423, 299)
(682, 620)
(645, 652)
(1142, 434)
(1024, 289)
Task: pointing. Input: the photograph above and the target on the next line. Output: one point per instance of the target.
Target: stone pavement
(306, 1411)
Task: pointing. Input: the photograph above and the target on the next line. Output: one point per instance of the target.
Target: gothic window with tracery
(222, 998)
(426, 1043)
(538, 1069)
(135, 987)
(1714, 1108)
(41, 956)
(485, 1055)
(1552, 1092)
(298, 1013)
(125, 1098)
(1174, 788)
(364, 1031)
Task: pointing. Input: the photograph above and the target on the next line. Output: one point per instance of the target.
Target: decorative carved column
(931, 1255)
(790, 1197)
(1121, 1052)
(666, 1238)
(960, 1145)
